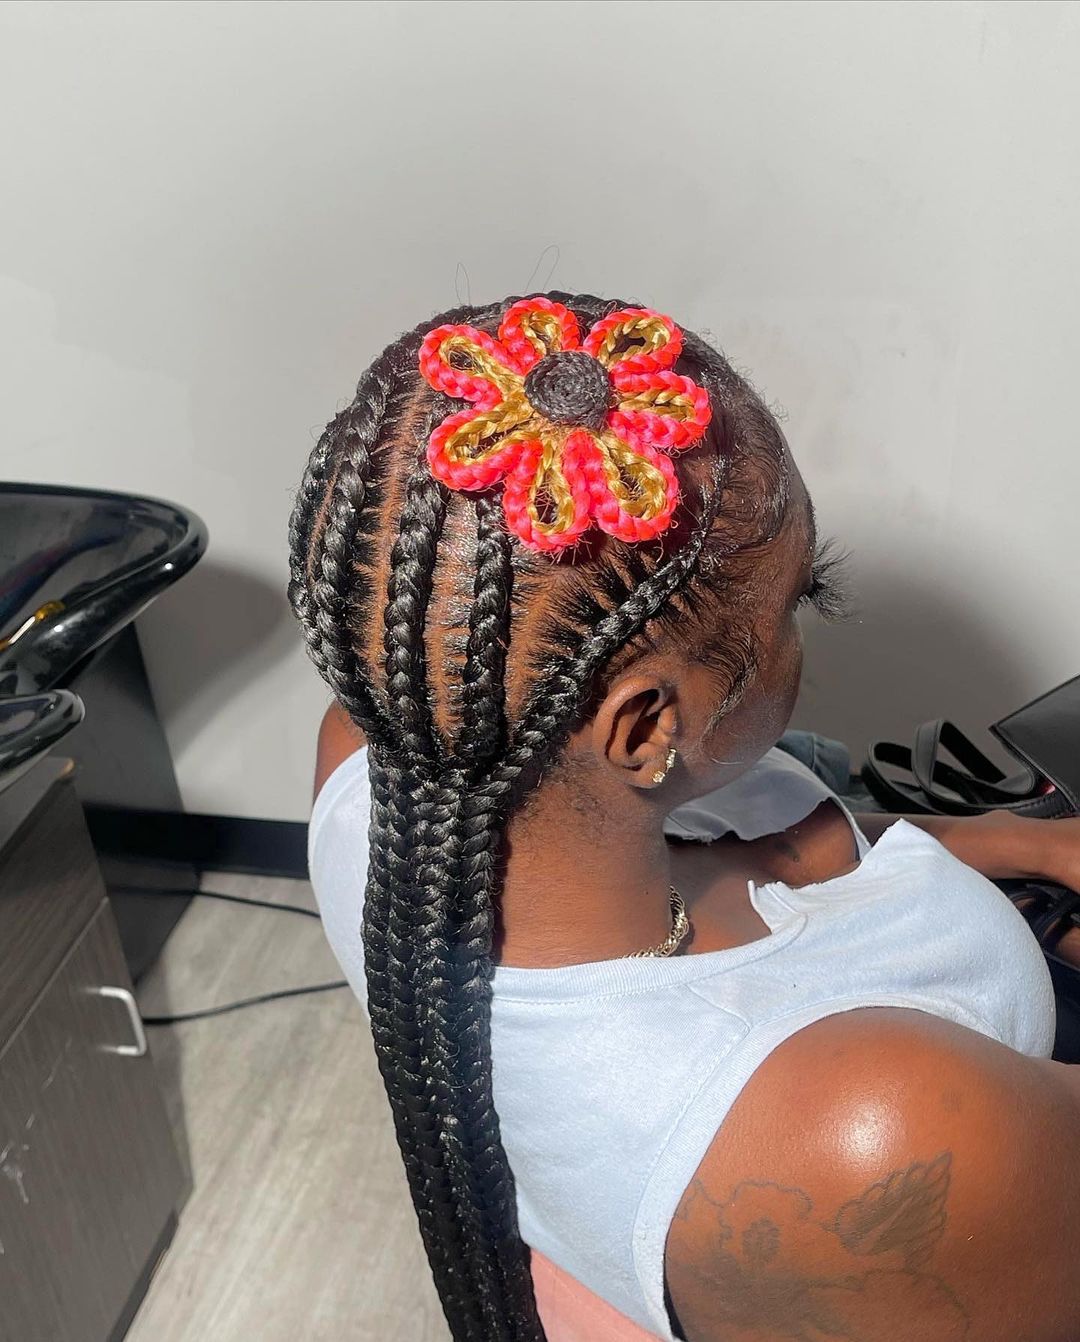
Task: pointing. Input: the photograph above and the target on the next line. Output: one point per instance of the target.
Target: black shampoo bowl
(77, 566)
(30, 725)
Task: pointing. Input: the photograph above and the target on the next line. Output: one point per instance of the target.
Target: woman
(644, 997)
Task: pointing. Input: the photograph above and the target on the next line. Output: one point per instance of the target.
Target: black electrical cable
(179, 1017)
(216, 894)
(182, 1016)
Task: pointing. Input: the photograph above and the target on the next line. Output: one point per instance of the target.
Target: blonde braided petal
(477, 435)
(635, 340)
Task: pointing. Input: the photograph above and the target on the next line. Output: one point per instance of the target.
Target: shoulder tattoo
(777, 1268)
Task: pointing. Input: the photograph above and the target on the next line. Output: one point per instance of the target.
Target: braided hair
(467, 660)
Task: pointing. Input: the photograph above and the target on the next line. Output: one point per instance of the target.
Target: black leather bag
(944, 773)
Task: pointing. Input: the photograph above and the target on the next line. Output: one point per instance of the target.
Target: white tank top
(611, 1079)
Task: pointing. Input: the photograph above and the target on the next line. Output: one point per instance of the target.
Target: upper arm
(339, 737)
(887, 1175)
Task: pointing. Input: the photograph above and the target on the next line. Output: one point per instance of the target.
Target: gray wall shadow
(909, 653)
(207, 638)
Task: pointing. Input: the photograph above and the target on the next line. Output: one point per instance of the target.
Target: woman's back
(612, 1079)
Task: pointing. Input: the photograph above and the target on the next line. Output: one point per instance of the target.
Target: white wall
(217, 214)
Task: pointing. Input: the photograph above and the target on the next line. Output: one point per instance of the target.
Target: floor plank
(299, 1227)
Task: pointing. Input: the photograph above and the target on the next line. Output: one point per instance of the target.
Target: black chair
(77, 566)
(30, 725)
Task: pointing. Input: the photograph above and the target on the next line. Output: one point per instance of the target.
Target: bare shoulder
(339, 737)
(887, 1175)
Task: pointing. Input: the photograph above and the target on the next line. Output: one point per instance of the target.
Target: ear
(636, 727)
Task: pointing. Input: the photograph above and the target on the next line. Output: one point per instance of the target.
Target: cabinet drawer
(89, 1175)
(50, 884)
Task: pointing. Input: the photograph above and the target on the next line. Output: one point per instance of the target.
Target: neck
(580, 886)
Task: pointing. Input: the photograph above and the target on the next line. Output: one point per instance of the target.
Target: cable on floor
(178, 1018)
(216, 894)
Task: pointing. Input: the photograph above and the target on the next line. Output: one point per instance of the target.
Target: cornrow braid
(565, 689)
(412, 568)
(411, 890)
(450, 761)
(321, 586)
(483, 728)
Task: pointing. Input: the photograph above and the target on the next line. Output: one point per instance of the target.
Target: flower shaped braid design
(580, 431)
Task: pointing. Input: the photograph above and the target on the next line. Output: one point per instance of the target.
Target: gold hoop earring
(661, 774)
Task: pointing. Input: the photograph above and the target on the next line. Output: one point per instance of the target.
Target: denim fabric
(830, 761)
(827, 758)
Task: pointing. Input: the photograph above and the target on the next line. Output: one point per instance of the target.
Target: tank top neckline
(776, 904)
(626, 974)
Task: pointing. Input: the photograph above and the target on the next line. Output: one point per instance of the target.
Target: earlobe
(659, 776)
(636, 728)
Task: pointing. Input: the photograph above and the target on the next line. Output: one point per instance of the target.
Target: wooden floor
(299, 1227)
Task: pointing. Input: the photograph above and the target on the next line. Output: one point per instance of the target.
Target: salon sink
(30, 725)
(76, 567)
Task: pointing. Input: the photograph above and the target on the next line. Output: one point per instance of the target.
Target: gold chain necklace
(680, 927)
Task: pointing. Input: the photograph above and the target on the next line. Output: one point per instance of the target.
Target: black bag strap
(1057, 917)
(894, 794)
(895, 776)
(940, 734)
(921, 781)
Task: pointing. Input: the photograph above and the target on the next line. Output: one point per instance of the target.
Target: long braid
(451, 961)
(416, 885)
(322, 595)
(441, 798)
(457, 973)
(444, 957)
(391, 967)
(403, 878)
(394, 908)
(458, 985)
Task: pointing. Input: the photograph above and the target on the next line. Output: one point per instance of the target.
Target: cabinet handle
(140, 1046)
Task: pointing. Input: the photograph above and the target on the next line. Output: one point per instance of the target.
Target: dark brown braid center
(570, 387)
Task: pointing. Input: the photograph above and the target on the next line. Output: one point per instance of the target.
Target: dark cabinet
(89, 1174)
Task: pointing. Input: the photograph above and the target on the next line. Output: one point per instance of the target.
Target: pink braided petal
(517, 343)
(609, 514)
(460, 382)
(641, 428)
(481, 473)
(518, 488)
(646, 361)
